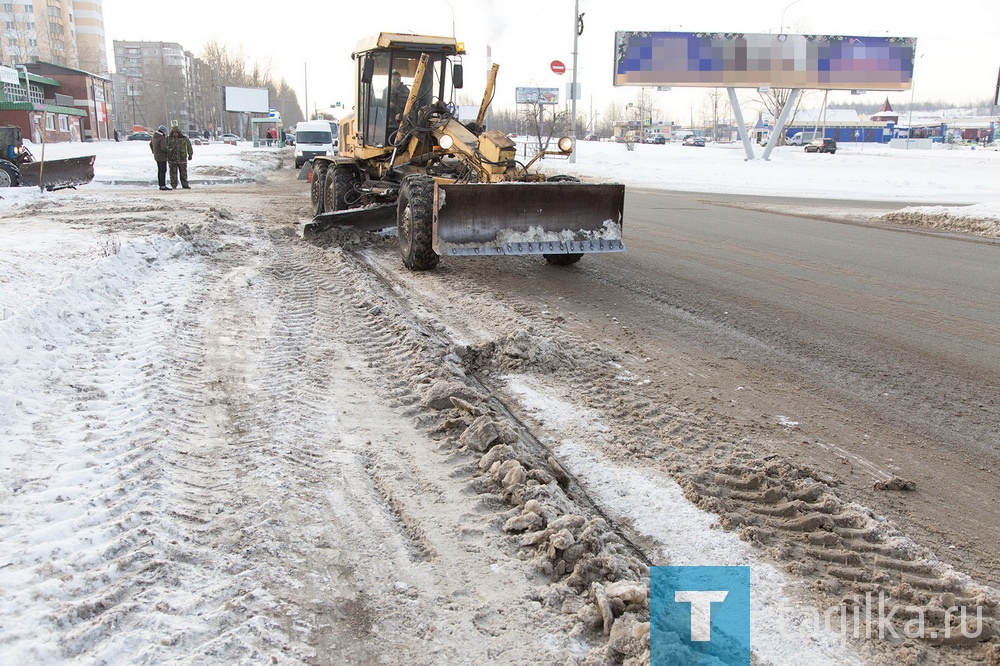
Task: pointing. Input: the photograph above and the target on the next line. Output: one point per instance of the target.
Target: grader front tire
(415, 223)
(563, 259)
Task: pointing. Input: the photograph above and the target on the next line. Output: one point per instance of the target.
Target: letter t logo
(699, 615)
(701, 610)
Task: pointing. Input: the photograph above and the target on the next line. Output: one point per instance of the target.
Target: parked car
(822, 146)
(694, 141)
(230, 137)
(140, 136)
(659, 140)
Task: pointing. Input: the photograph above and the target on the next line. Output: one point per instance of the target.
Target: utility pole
(577, 29)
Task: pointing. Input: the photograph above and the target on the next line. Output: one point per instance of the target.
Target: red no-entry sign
(558, 67)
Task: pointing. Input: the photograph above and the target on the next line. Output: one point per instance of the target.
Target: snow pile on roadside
(980, 219)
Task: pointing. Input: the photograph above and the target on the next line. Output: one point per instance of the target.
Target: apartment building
(152, 84)
(63, 32)
(91, 44)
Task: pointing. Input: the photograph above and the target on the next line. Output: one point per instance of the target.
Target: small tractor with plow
(449, 188)
(18, 167)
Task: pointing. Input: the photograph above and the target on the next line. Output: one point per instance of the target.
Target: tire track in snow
(95, 433)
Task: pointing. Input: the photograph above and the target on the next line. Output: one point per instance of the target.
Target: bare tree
(717, 107)
(89, 59)
(774, 101)
(613, 114)
(222, 67)
(504, 120)
(288, 103)
(640, 113)
(162, 94)
(542, 124)
(19, 34)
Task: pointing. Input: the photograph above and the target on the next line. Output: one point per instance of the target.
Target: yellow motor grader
(449, 188)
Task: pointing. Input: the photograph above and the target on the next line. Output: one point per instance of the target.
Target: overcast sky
(957, 53)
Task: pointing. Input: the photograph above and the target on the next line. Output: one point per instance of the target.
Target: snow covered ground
(96, 299)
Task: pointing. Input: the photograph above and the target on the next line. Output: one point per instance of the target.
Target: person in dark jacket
(179, 151)
(394, 97)
(159, 147)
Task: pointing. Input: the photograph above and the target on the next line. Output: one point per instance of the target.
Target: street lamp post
(781, 27)
(130, 86)
(452, 8)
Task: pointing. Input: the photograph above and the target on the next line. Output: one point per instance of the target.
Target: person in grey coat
(161, 154)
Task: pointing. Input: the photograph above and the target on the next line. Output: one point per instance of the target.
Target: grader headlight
(446, 142)
(566, 144)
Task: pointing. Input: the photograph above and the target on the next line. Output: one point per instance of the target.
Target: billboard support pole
(741, 125)
(779, 124)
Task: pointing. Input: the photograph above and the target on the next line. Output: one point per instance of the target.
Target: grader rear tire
(340, 182)
(318, 191)
(415, 223)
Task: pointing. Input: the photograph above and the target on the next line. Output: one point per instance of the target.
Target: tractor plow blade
(58, 174)
(528, 218)
(372, 218)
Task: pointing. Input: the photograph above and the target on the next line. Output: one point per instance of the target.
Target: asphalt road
(872, 311)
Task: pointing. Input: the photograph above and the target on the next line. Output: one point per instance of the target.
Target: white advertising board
(247, 100)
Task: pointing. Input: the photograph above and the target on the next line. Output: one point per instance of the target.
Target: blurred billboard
(740, 60)
(537, 95)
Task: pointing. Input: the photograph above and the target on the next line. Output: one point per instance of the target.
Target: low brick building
(63, 103)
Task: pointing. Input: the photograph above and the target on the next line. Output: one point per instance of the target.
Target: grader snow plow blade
(528, 218)
(58, 174)
(371, 218)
